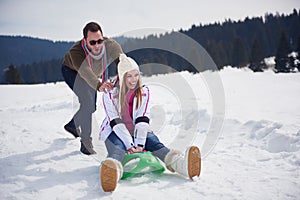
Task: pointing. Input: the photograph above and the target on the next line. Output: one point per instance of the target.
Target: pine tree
(298, 54)
(239, 53)
(12, 75)
(282, 59)
(256, 57)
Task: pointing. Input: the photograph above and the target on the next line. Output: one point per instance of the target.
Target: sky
(63, 20)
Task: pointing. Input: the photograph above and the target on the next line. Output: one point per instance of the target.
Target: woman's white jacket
(113, 120)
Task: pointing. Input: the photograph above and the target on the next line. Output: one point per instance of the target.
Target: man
(82, 66)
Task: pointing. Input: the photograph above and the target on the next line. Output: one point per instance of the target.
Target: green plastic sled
(143, 160)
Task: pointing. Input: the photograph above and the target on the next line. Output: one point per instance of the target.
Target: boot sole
(194, 162)
(109, 175)
(72, 131)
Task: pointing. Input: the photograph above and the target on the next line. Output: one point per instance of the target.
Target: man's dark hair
(93, 27)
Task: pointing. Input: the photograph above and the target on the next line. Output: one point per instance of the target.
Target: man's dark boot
(87, 147)
(71, 128)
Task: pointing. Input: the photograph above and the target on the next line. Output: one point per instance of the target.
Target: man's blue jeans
(116, 148)
(87, 97)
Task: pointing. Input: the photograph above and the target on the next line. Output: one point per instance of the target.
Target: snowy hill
(255, 153)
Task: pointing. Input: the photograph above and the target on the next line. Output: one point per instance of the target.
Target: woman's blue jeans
(116, 148)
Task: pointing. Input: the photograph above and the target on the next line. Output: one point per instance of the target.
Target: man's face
(94, 42)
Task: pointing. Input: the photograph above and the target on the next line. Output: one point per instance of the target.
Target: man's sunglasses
(93, 42)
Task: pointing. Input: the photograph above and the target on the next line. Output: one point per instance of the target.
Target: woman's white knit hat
(125, 64)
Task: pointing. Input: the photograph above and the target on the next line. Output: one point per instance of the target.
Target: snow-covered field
(256, 154)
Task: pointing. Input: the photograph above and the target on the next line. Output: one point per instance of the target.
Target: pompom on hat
(126, 64)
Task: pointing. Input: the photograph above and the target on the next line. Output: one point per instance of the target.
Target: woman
(126, 129)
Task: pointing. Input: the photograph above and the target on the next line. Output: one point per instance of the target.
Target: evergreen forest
(244, 43)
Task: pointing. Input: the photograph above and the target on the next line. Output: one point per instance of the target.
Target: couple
(126, 126)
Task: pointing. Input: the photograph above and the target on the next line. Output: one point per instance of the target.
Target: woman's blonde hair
(123, 91)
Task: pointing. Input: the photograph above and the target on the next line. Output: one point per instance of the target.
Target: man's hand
(106, 86)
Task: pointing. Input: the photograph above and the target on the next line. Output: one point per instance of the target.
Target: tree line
(239, 44)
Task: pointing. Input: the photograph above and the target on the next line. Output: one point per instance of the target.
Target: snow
(255, 154)
(270, 61)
